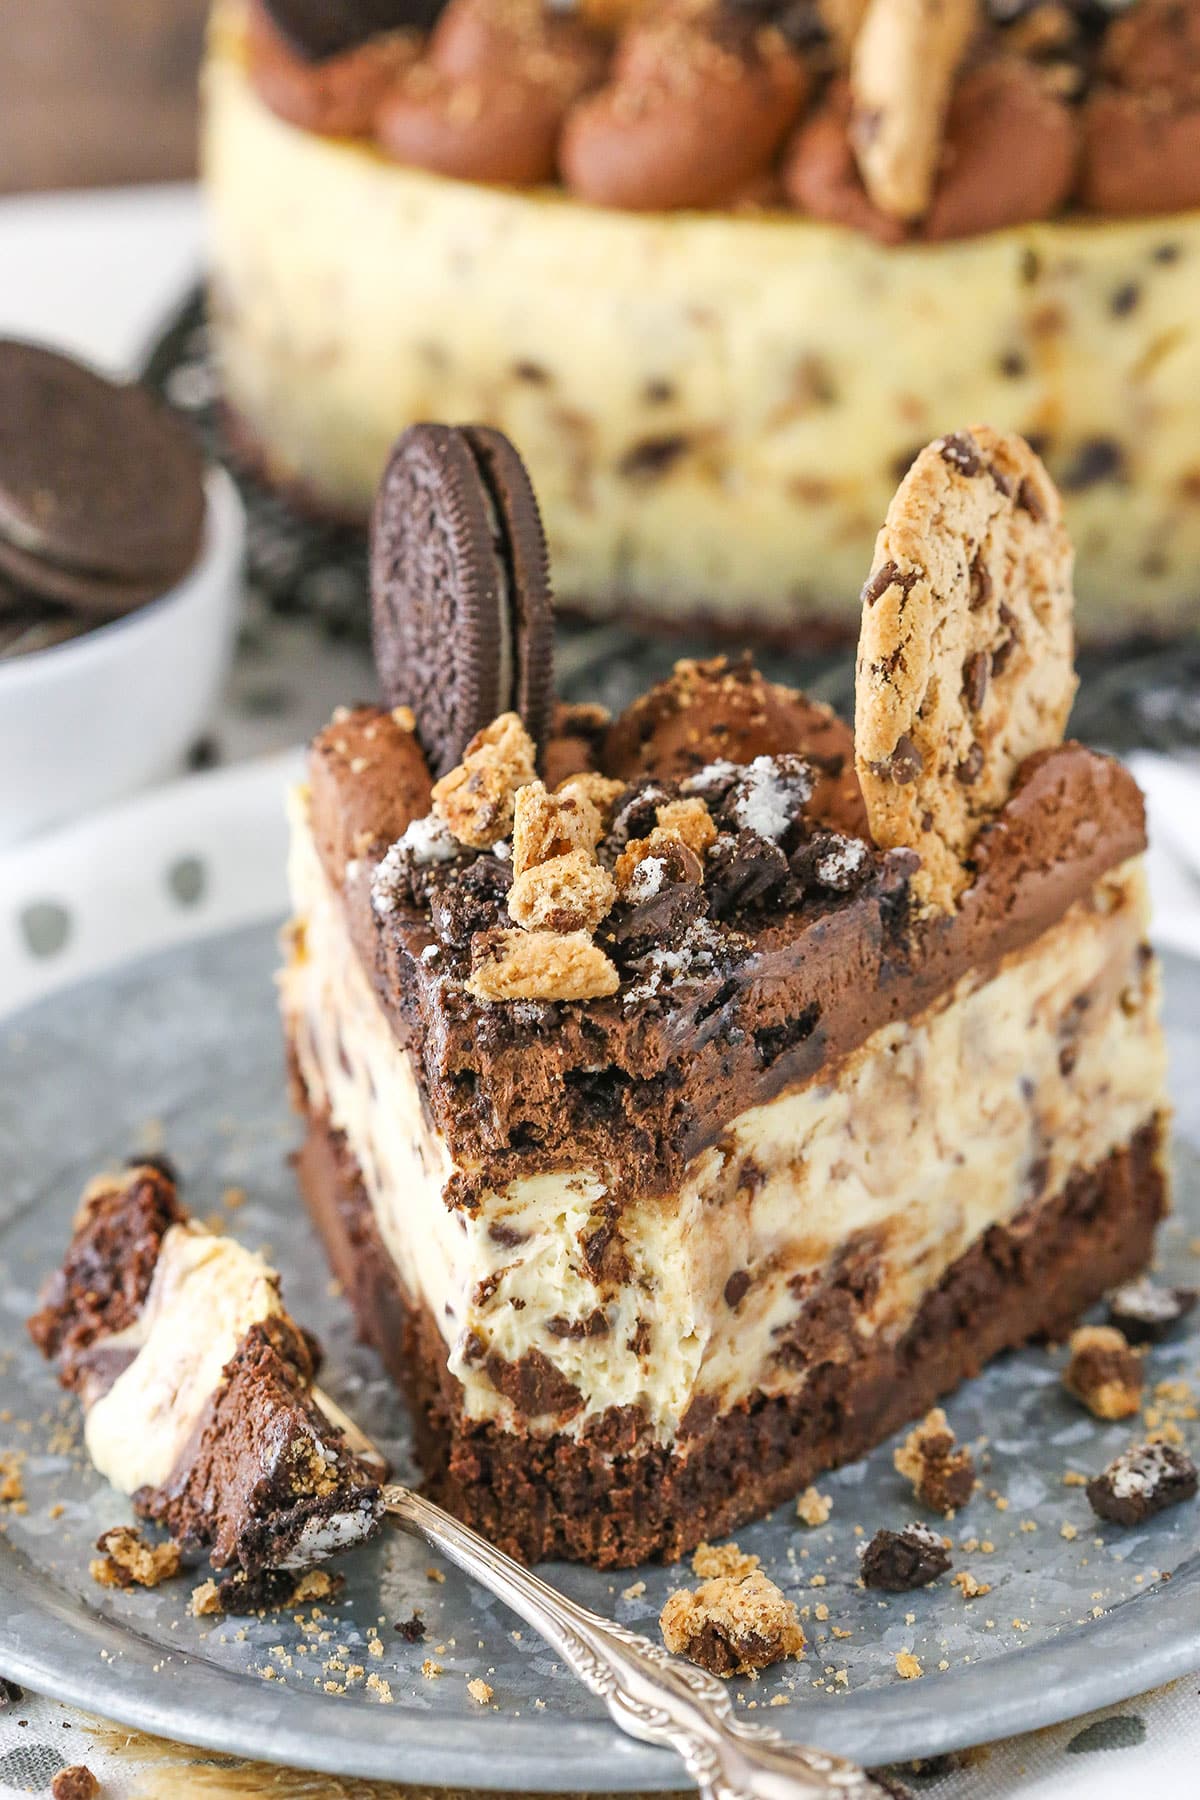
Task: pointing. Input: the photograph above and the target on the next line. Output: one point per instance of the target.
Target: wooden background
(95, 92)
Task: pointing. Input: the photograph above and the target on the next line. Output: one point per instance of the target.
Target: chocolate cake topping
(460, 591)
(1145, 1312)
(1142, 1481)
(101, 490)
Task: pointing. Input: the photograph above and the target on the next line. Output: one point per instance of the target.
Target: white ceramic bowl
(101, 715)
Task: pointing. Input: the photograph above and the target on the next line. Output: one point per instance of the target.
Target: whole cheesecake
(716, 391)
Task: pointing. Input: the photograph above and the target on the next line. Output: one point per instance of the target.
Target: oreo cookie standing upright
(460, 588)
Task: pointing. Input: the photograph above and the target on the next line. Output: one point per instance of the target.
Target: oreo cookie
(319, 29)
(460, 588)
(101, 490)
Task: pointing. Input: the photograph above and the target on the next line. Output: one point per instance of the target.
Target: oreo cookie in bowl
(119, 563)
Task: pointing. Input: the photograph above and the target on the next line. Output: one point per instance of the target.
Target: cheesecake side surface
(715, 406)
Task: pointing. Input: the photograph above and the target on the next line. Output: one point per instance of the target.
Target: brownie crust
(605, 1498)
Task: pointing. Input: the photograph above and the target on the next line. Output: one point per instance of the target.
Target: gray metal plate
(184, 1049)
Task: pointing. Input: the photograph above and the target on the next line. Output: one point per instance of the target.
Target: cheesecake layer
(605, 1498)
(835, 1206)
(714, 407)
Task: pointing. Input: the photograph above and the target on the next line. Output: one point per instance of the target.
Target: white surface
(97, 273)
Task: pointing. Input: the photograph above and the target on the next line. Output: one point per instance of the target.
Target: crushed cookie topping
(477, 799)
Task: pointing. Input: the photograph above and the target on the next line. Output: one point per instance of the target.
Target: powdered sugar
(715, 777)
(841, 863)
(646, 880)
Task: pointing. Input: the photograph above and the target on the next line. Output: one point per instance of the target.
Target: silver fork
(651, 1695)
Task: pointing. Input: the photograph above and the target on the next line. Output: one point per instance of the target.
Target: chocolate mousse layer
(776, 973)
(607, 1498)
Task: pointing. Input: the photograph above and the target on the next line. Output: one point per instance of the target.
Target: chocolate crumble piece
(10, 1693)
(941, 1471)
(1104, 1372)
(1142, 1481)
(1146, 1313)
(899, 1560)
(412, 1631)
(473, 899)
(661, 902)
(637, 814)
(767, 796)
(743, 871)
(737, 1287)
(732, 1625)
(832, 861)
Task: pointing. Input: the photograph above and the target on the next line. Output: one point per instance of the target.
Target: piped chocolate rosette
(197, 1390)
(928, 119)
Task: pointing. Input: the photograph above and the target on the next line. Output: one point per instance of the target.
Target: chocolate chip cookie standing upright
(460, 589)
(965, 655)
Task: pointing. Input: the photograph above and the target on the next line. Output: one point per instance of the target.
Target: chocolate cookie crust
(607, 1498)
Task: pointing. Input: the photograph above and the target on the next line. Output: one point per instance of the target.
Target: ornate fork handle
(650, 1695)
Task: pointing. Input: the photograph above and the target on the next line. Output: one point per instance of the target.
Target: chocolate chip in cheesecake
(1142, 1481)
(460, 589)
(898, 1560)
(1104, 1372)
(1145, 1312)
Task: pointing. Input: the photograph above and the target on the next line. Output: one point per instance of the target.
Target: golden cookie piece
(966, 650)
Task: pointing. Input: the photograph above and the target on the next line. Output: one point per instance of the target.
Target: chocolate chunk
(636, 815)
(663, 900)
(412, 1631)
(460, 590)
(888, 576)
(576, 1330)
(468, 899)
(976, 673)
(737, 1287)
(101, 489)
(1097, 459)
(318, 29)
(981, 583)
(969, 769)
(1146, 1313)
(899, 1560)
(1140, 1482)
(903, 765)
(962, 453)
(1030, 501)
(742, 871)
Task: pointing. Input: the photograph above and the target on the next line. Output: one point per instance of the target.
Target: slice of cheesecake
(682, 1141)
(197, 1388)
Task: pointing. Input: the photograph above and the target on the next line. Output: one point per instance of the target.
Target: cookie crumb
(476, 800)
(898, 1560)
(1142, 1481)
(908, 1668)
(1104, 1372)
(205, 1600)
(722, 1559)
(941, 1471)
(539, 965)
(813, 1508)
(129, 1561)
(635, 1590)
(968, 1587)
(12, 1488)
(75, 1783)
(430, 1669)
(479, 1691)
(732, 1626)
(380, 1688)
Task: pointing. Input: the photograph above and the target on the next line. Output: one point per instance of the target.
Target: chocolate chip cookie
(965, 657)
